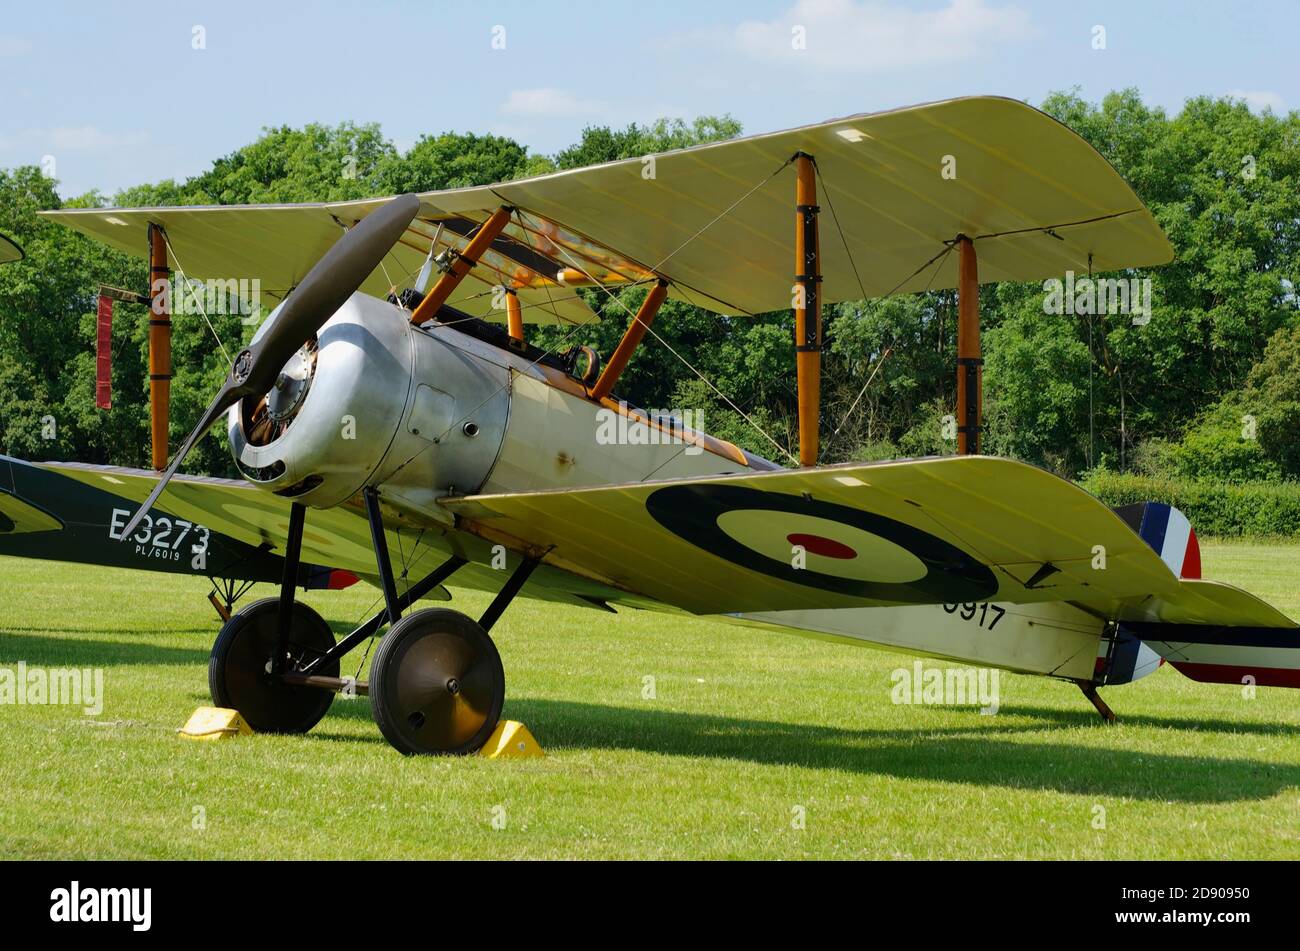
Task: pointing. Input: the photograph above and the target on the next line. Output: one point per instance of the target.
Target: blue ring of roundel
(691, 513)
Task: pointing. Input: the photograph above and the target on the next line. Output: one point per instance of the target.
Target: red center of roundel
(821, 545)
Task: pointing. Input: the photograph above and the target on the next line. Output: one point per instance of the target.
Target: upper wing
(931, 531)
(716, 220)
(276, 245)
(9, 250)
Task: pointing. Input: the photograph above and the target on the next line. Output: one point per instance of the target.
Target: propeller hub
(243, 366)
(291, 386)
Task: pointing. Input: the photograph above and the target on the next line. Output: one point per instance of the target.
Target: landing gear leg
(292, 555)
(258, 644)
(1090, 691)
(223, 610)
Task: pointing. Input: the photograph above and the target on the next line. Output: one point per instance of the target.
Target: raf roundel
(821, 544)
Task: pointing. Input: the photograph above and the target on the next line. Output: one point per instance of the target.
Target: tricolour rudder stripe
(1209, 653)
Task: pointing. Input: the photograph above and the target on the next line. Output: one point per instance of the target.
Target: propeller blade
(327, 286)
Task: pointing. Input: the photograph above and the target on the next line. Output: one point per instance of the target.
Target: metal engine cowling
(373, 400)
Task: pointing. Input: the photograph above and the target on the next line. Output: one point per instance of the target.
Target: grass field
(748, 730)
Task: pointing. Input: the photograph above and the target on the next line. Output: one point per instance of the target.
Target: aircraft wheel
(238, 671)
(436, 684)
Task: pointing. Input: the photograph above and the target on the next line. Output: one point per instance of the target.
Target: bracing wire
(603, 287)
(184, 281)
(940, 258)
(671, 349)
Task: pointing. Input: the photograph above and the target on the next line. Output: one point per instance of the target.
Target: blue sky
(75, 77)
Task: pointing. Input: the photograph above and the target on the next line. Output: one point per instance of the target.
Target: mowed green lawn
(748, 731)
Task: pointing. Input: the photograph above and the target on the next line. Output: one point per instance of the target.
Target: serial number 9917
(988, 614)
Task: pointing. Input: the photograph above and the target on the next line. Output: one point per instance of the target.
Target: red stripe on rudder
(1192, 560)
(1231, 674)
(104, 354)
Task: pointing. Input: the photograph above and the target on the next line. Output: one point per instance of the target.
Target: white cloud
(876, 35)
(551, 103)
(1259, 100)
(13, 46)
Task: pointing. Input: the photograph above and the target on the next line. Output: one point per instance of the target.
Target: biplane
(411, 433)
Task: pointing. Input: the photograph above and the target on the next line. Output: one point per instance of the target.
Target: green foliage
(47, 337)
(906, 342)
(315, 163)
(452, 160)
(719, 419)
(1236, 238)
(1272, 397)
(926, 436)
(1220, 453)
(603, 144)
(1037, 370)
(1253, 433)
(1255, 509)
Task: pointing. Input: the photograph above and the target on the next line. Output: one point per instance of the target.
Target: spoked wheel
(239, 669)
(437, 684)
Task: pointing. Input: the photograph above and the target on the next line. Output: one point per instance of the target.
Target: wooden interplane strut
(808, 308)
(160, 348)
(970, 364)
(514, 315)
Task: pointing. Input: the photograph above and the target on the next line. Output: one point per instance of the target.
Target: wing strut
(618, 360)
(970, 372)
(514, 315)
(160, 347)
(460, 264)
(808, 308)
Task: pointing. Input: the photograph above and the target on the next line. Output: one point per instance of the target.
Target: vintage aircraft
(411, 424)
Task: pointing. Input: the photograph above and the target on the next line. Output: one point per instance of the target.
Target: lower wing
(926, 531)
